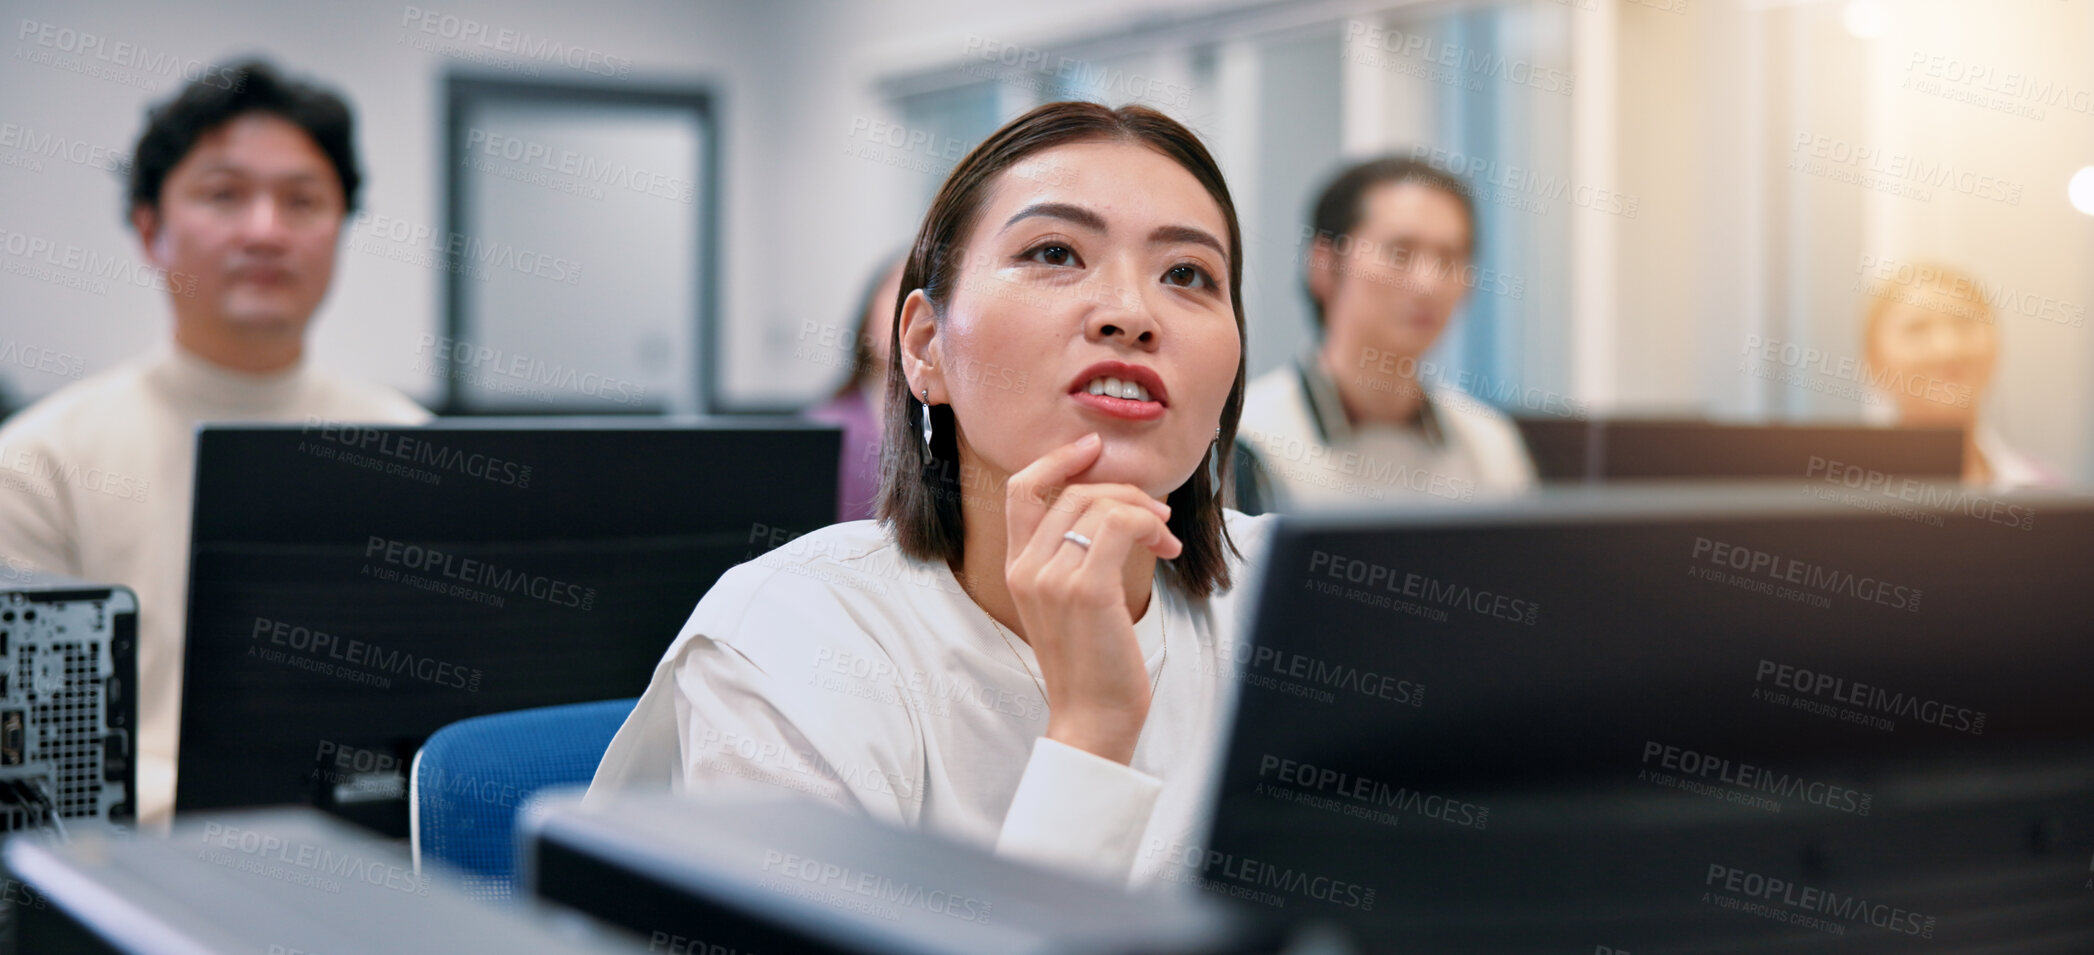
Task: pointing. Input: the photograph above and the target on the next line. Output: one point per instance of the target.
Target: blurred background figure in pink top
(856, 402)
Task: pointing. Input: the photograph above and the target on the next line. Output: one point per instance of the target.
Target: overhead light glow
(1866, 19)
(2081, 190)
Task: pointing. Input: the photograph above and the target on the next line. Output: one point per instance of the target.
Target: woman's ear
(919, 341)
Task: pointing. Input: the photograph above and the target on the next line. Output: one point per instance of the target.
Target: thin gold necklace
(1164, 622)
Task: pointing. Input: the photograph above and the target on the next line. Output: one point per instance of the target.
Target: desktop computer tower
(68, 702)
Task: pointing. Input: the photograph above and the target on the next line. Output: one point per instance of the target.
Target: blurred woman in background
(855, 405)
(1932, 344)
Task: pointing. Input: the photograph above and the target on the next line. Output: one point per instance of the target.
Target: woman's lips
(1123, 372)
(1137, 379)
(1125, 408)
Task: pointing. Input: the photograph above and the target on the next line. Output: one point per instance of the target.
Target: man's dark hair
(1338, 210)
(220, 95)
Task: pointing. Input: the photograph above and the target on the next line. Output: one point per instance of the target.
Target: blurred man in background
(1387, 265)
(238, 192)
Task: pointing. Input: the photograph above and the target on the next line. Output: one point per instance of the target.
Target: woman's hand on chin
(1073, 600)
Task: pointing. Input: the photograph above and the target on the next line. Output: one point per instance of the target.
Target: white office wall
(2036, 247)
(1701, 98)
(842, 196)
(1714, 100)
(803, 217)
(378, 311)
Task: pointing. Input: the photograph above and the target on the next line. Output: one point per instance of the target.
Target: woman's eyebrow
(1168, 234)
(1074, 214)
(1086, 219)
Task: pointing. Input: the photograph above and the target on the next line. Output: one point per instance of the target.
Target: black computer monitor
(710, 876)
(1672, 720)
(1561, 448)
(352, 589)
(264, 882)
(1601, 450)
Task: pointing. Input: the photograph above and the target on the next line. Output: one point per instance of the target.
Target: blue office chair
(471, 778)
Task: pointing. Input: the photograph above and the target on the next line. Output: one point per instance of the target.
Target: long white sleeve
(1078, 812)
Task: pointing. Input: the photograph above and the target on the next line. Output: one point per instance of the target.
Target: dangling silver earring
(1214, 464)
(926, 406)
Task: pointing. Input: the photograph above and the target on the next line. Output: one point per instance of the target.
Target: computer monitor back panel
(1561, 448)
(1651, 729)
(1667, 450)
(352, 590)
(1576, 450)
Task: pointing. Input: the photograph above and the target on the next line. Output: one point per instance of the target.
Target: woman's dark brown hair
(920, 489)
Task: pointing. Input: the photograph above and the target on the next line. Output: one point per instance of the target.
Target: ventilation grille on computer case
(64, 747)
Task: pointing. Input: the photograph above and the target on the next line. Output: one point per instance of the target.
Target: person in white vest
(238, 189)
(1356, 419)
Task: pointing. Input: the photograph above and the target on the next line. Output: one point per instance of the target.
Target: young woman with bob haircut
(1032, 647)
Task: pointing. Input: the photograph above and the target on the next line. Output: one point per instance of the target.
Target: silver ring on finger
(1077, 539)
